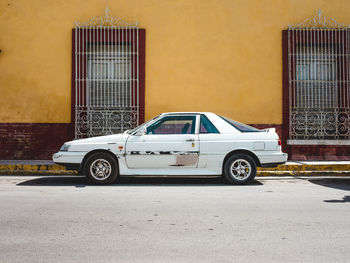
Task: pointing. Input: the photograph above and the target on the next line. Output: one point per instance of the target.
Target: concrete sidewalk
(302, 168)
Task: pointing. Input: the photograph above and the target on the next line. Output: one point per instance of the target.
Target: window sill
(318, 142)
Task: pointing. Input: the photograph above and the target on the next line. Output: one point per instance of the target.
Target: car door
(210, 145)
(169, 142)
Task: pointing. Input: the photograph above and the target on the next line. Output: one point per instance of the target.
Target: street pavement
(275, 219)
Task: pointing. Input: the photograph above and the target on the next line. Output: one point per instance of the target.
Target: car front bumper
(68, 157)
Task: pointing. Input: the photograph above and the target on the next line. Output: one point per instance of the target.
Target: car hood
(102, 139)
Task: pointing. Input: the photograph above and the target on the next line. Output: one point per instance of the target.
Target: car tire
(239, 169)
(101, 168)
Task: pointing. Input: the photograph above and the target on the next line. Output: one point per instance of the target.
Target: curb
(48, 167)
(37, 169)
(294, 169)
(39, 172)
(308, 167)
(303, 173)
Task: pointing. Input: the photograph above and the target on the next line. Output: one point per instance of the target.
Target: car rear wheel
(101, 168)
(239, 169)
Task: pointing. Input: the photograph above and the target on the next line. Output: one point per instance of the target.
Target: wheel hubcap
(241, 169)
(100, 169)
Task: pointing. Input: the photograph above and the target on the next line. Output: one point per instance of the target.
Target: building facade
(75, 69)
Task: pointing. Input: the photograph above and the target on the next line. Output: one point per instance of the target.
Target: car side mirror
(141, 131)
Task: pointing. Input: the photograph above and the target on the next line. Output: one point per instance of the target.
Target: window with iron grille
(317, 82)
(108, 76)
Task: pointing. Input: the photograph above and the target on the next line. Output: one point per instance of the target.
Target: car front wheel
(239, 169)
(101, 168)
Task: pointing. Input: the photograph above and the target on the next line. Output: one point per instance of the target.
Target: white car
(179, 143)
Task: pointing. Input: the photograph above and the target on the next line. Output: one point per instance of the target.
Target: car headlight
(65, 147)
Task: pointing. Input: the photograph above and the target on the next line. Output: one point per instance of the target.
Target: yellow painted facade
(201, 55)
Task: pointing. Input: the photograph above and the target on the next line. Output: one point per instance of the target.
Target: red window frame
(289, 68)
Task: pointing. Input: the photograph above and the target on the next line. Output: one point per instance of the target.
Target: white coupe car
(185, 143)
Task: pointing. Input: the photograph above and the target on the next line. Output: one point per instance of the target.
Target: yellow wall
(201, 55)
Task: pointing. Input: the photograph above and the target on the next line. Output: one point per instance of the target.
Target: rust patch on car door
(186, 160)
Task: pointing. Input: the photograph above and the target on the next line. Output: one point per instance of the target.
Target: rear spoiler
(268, 130)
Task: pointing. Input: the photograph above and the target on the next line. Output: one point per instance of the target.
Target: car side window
(206, 126)
(173, 125)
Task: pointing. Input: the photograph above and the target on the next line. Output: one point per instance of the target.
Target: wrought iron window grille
(107, 90)
(318, 81)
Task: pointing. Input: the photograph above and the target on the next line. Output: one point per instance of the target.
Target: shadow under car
(82, 181)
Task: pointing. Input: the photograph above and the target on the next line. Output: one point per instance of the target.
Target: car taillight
(279, 143)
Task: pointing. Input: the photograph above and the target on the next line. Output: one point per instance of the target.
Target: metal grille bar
(106, 76)
(318, 80)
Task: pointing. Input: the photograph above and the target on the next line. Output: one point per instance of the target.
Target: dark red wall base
(32, 141)
(319, 152)
(38, 141)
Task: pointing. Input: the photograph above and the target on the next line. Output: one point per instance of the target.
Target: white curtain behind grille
(109, 76)
(316, 72)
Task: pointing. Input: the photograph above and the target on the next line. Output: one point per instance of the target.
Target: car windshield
(143, 124)
(240, 126)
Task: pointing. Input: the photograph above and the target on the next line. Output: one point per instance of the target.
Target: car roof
(186, 112)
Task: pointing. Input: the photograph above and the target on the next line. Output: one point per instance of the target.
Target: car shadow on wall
(81, 181)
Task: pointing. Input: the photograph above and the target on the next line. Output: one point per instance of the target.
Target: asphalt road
(65, 219)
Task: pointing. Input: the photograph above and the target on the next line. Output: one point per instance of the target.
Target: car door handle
(190, 140)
